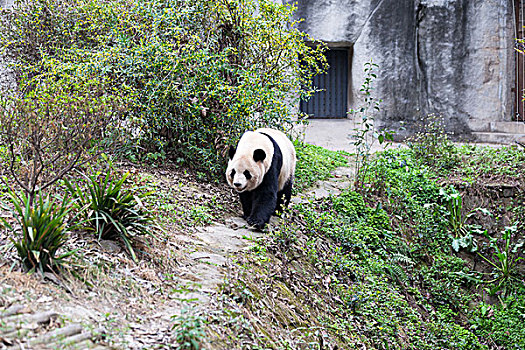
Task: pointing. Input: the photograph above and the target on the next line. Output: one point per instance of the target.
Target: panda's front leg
(263, 206)
(246, 203)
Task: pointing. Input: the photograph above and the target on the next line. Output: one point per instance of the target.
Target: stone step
(499, 127)
(499, 137)
(508, 127)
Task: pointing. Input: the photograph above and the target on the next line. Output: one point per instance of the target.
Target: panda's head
(249, 162)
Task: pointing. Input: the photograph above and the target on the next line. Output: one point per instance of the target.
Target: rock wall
(6, 3)
(450, 57)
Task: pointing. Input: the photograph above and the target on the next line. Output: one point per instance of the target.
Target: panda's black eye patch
(247, 175)
(232, 173)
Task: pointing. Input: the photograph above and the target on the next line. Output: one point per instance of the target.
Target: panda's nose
(237, 184)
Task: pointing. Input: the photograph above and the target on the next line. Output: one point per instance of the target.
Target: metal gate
(332, 101)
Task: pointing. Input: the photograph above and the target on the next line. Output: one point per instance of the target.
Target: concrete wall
(450, 57)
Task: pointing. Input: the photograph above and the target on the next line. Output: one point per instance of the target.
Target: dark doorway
(519, 88)
(332, 101)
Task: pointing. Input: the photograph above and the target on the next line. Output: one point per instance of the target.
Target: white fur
(288, 151)
(243, 159)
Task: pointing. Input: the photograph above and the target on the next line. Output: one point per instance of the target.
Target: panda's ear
(231, 152)
(259, 155)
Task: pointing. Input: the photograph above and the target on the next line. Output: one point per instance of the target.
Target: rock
(222, 238)
(236, 223)
(344, 172)
(342, 185)
(434, 56)
(110, 246)
(211, 258)
(13, 310)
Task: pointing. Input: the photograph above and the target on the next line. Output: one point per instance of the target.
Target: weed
(43, 230)
(189, 330)
(432, 146)
(504, 260)
(112, 211)
(460, 230)
(366, 133)
(200, 215)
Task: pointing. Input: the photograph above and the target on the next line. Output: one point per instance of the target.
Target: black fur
(284, 196)
(259, 204)
(231, 152)
(259, 155)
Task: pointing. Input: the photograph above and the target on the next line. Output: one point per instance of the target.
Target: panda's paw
(256, 222)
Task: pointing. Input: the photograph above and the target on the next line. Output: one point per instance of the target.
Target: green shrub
(43, 230)
(432, 146)
(197, 73)
(112, 211)
(351, 205)
(189, 331)
(55, 127)
(501, 324)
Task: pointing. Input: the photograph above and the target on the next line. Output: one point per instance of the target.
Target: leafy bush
(197, 73)
(112, 211)
(53, 128)
(432, 146)
(189, 331)
(43, 230)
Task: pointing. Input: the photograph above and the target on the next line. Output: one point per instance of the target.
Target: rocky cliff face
(450, 57)
(6, 3)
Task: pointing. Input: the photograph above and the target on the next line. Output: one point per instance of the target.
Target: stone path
(215, 244)
(22, 328)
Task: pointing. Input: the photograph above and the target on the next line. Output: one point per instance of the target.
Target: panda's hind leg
(283, 197)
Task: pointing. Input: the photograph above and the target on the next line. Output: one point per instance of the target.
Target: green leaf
(456, 244)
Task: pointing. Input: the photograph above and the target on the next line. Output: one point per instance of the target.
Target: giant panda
(261, 170)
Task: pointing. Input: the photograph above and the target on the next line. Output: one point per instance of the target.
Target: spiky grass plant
(112, 211)
(40, 230)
